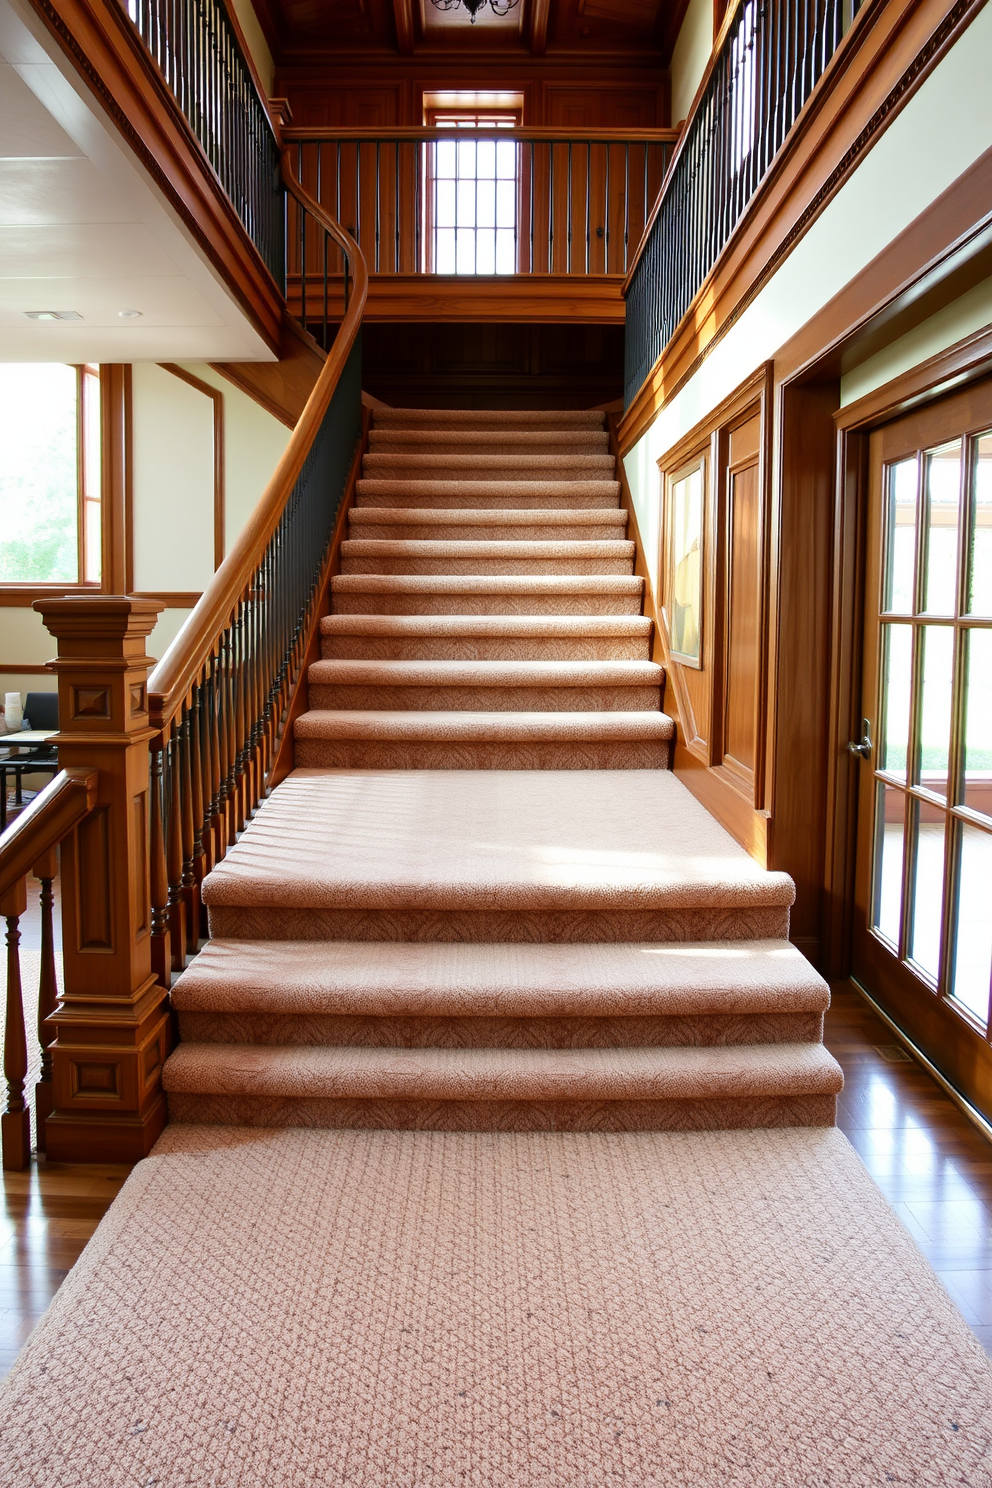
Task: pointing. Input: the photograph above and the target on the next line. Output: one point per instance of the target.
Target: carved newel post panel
(111, 1024)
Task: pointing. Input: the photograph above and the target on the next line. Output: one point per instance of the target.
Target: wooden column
(111, 1024)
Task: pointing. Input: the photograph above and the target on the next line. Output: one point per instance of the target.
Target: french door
(923, 904)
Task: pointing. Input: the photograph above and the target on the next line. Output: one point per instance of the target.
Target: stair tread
(384, 439)
(445, 418)
(383, 723)
(369, 486)
(487, 461)
(535, 584)
(381, 978)
(487, 673)
(490, 840)
(507, 626)
(474, 516)
(412, 547)
(644, 1073)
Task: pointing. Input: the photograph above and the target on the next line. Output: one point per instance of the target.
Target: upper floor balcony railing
(486, 202)
(195, 48)
(770, 59)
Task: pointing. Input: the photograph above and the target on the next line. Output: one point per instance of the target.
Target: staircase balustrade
(765, 68)
(424, 201)
(174, 763)
(30, 847)
(197, 51)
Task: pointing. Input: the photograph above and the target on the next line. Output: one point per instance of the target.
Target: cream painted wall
(691, 54)
(173, 482)
(257, 44)
(253, 445)
(972, 312)
(25, 641)
(942, 130)
(167, 627)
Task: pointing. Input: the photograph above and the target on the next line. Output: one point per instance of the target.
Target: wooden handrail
(322, 133)
(42, 825)
(175, 673)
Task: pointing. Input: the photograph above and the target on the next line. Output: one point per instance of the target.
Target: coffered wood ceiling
(581, 29)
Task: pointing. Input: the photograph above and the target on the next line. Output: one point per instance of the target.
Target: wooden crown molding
(109, 56)
(883, 60)
(965, 361)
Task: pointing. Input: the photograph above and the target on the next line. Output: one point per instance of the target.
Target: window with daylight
(472, 200)
(49, 474)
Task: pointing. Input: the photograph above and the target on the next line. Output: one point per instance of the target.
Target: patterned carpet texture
(287, 1309)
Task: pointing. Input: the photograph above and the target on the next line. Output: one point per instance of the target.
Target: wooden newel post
(111, 1024)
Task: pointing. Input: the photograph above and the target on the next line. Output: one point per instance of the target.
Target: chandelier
(500, 7)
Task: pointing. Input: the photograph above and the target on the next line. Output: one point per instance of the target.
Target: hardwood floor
(934, 1167)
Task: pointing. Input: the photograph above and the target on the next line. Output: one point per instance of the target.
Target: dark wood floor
(934, 1167)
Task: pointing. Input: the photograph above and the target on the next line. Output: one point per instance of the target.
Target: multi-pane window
(933, 776)
(473, 195)
(49, 473)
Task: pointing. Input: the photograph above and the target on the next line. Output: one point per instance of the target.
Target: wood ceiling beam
(538, 12)
(403, 15)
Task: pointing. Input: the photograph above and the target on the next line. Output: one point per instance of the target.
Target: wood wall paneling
(802, 664)
(509, 365)
(723, 706)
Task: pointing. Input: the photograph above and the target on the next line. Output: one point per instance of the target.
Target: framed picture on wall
(685, 586)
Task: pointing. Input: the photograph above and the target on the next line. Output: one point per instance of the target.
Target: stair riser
(347, 697)
(489, 467)
(344, 602)
(517, 926)
(507, 567)
(465, 498)
(373, 754)
(412, 1032)
(364, 531)
(483, 648)
(487, 442)
(726, 1114)
(487, 418)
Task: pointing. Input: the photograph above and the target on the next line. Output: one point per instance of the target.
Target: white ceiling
(83, 228)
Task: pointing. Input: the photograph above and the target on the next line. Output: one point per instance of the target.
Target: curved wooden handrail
(42, 825)
(177, 671)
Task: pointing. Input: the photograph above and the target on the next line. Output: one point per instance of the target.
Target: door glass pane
(889, 834)
(897, 651)
(980, 566)
(978, 723)
(928, 888)
(900, 539)
(973, 951)
(935, 717)
(943, 475)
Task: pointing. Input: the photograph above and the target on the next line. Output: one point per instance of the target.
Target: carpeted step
(488, 686)
(620, 1089)
(490, 467)
(506, 440)
(410, 740)
(499, 996)
(485, 638)
(497, 594)
(491, 855)
(487, 418)
(370, 555)
(479, 525)
(440, 495)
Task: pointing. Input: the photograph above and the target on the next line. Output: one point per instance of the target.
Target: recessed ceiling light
(53, 315)
(129, 314)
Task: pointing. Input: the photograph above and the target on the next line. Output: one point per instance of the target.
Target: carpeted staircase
(481, 901)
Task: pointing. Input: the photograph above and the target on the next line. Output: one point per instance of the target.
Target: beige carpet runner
(481, 901)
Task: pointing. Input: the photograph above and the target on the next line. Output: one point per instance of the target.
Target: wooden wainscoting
(722, 704)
